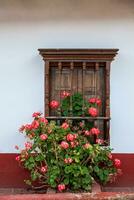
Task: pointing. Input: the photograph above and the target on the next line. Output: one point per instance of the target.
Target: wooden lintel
(78, 54)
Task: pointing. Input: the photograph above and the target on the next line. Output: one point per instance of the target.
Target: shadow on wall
(37, 10)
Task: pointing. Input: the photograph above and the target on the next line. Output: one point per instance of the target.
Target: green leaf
(28, 182)
(31, 166)
(96, 169)
(77, 160)
(39, 157)
(67, 170)
(31, 159)
(34, 176)
(106, 172)
(77, 108)
(66, 181)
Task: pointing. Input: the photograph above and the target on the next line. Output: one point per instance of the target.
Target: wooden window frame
(79, 55)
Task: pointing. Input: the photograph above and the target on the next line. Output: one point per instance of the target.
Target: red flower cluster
(43, 169)
(54, 104)
(16, 147)
(87, 145)
(31, 135)
(36, 114)
(22, 128)
(81, 124)
(87, 133)
(61, 187)
(70, 137)
(99, 141)
(28, 127)
(95, 131)
(17, 158)
(64, 145)
(110, 156)
(43, 120)
(71, 145)
(43, 137)
(65, 125)
(117, 163)
(68, 160)
(95, 101)
(92, 131)
(35, 124)
(74, 144)
(93, 111)
(28, 145)
(65, 94)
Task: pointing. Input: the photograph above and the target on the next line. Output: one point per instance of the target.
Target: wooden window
(79, 70)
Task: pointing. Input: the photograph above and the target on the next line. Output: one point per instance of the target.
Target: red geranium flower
(92, 100)
(35, 124)
(93, 112)
(87, 145)
(68, 160)
(44, 120)
(65, 94)
(28, 145)
(16, 147)
(117, 162)
(99, 141)
(74, 144)
(98, 101)
(110, 156)
(28, 127)
(70, 137)
(22, 128)
(43, 136)
(65, 125)
(64, 145)
(95, 131)
(86, 132)
(36, 114)
(54, 104)
(31, 135)
(61, 187)
(43, 169)
(17, 158)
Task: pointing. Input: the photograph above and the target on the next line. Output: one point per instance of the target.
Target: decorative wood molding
(78, 54)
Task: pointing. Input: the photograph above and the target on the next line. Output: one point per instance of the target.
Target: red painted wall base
(12, 175)
(127, 166)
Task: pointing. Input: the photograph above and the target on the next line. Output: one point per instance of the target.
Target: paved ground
(70, 196)
(23, 194)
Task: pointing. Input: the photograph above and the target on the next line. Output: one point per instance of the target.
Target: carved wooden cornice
(79, 54)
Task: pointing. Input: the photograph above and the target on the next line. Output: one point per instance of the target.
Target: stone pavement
(70, 196)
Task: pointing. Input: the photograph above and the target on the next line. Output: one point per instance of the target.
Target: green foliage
(65, 156)
(74, 105)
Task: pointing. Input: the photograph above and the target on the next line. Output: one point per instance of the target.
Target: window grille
(86, 71)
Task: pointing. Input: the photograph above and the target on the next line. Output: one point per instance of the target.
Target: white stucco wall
(26, 26)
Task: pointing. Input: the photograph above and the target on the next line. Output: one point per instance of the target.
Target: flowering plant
(63, 156)
(76, 105)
